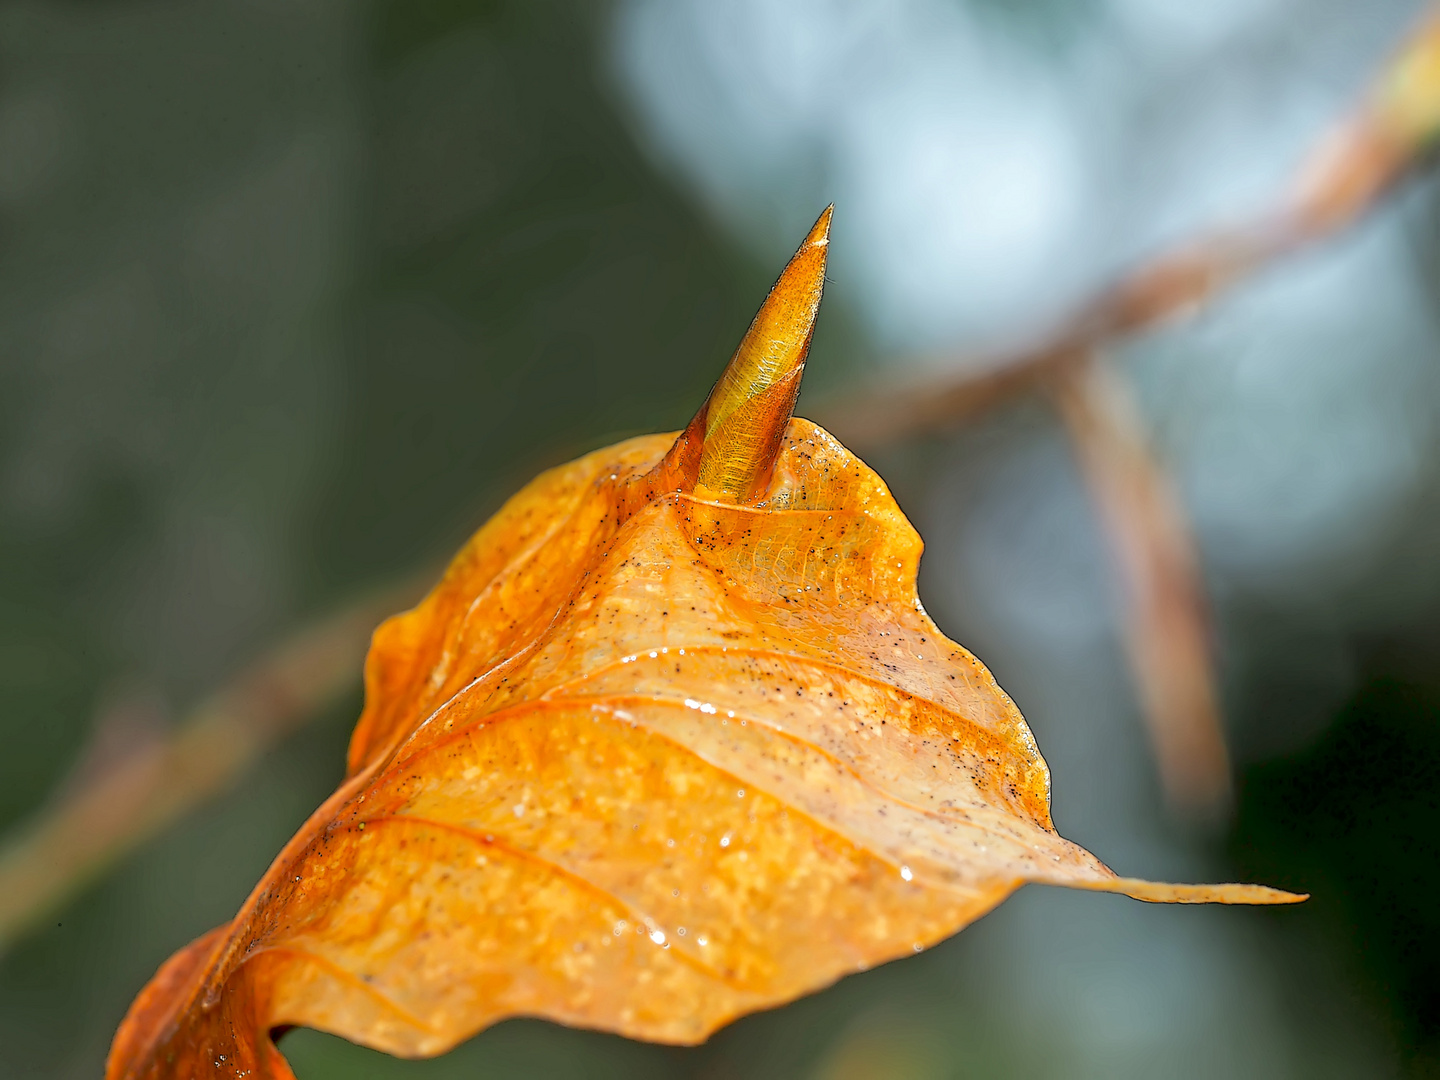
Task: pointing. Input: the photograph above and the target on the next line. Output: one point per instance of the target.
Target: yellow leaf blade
(727, 761)
(673, 740)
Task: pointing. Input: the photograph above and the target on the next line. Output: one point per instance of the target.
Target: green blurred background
(292, 296)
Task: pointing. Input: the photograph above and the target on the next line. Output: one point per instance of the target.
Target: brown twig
(1357, 163)
(1354, 165)
(1166, 618)
(45, 862)
(1172, 285)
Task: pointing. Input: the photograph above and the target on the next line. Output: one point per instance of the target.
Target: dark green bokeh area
(295, 296)
(291, 297)
(1353, 819)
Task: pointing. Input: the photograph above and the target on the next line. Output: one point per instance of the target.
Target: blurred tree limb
(1166, 622)
(144, 788)
(134, 795)
(1356, 163)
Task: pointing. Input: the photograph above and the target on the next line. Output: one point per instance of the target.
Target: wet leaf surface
(672, 741)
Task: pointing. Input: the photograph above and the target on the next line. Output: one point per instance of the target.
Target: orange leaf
(673, 740)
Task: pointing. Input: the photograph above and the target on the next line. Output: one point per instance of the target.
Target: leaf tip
(744, 418)
(1159, 892)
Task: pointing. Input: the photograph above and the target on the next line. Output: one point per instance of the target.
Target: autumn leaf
(672, 741)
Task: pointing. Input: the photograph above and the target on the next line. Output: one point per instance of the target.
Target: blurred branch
(1354, 165)
(134, 796)
(1166, 623)
(1358, 162)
